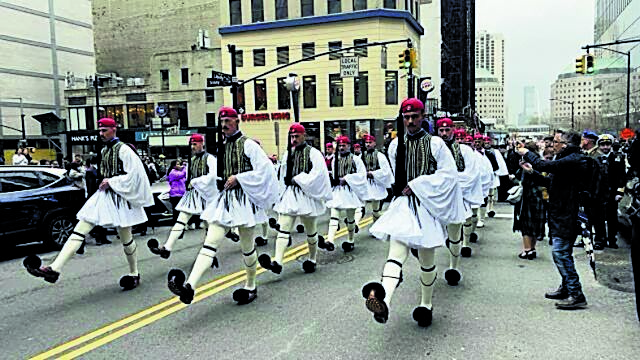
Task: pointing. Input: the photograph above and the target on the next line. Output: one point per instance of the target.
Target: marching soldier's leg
(379, 294)
(358, 215)
(132, 280)
(474, 223)
(333, 228)
(466, 236)
(310, 227)
(491, 202)
(283, 239)
(250, 260)
(350, 221)
(483, 213)
(175, 233)
(423, 313)
(453, 275)
(376, 207)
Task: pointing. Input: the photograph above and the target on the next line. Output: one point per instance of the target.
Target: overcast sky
(541, 38)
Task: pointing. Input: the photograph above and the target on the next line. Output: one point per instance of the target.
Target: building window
(240, 97)
(306, 7)
(283, 55)
(308, 49)
(260, 94)
(335, 45)
(178, 114)
(258, 57)
(235, 12)
(140, 115)
(282, 9)
(391, 87)
(257, 10)
(335, 90)
(334, 6)
(390, 4)
(359, 5)
(362, 52)
(309, 91)
(239, 58)
(164, 79)
(361, 89)
(284, 96)
(184, 76)
(209, 96)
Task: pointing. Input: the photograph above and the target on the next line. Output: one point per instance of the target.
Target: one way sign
(219, 79)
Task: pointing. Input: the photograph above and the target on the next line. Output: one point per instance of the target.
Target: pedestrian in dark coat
(569, 168)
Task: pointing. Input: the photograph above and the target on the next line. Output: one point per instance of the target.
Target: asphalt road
(497, 312)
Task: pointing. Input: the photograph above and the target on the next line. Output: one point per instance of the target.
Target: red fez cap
(356, 146)
(460, 133)
(478, 136)
(343, 140)
(411, 104)
(196, 138)
(368, 137)
(329, 145)
(444, 122)
(468, 138)
(296, 128)
(488, 139)
(226, 111)
(107, 122)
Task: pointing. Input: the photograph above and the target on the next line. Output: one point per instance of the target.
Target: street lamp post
(567, 102)
(23, 131)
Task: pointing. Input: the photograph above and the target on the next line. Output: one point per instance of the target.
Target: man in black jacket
(569, 167)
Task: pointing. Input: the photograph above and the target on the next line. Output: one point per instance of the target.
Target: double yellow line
(104, 335)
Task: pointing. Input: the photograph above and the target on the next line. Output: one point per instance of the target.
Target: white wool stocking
(312, 236)
(249, 255)
(376, 207)
(351, 223)
(130, 247)
(359, 214)
(427, 276)
(282, 240)
(205, 257)
(467, 230)
(72, 245)
(454, 244)
(398, 253)
(333, 225)
(177, 230)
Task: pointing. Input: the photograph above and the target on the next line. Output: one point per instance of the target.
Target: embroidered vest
(235, 160)
(371, 160)
(198, 167)
(454, 147)
(111, 164)
(301, 160)
(343, 165)
(419, 160)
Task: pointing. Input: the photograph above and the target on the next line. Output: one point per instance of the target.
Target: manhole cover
(329, 259)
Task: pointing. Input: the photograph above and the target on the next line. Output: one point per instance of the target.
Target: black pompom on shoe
(325, 245)
(265, 262)
(260, 241)
(232, 236)
(300, 228)
(453, 277)
(154, 247)
(491, 213)
(422, 316)
(273, 223)
(374, 294)
(465, 252)
(348, 246)
(309, 266)
(129, 282)
(473, 237)
(244, 296)
(33, 264)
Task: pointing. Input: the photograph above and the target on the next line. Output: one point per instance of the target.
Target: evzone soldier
(119, 202)
(247, 184)
(426, 199)
(201, 188)
(379, 178)
(348, 179)
(471, 189)
(305, 178)
(490, 166)
(475, 198)
(499, 172)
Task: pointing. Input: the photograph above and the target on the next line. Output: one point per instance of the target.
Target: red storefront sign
(266, 116)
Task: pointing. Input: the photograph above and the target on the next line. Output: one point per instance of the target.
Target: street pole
(96, 84)
(162, 128)
(410, 86)
(24, 131)
(628, 87)
(234, 83)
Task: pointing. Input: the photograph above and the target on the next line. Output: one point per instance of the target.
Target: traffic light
(589, 64)
(581, 67)
(414, 58)
(405, 59)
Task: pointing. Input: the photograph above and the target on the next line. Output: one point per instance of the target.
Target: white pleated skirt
(295, 202)
(344, 198)
(108, 209)
(375, 191)
(232, 208)
(192, 202)
(409, 224)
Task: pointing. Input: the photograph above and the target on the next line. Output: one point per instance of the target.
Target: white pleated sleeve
(384, 175)
(134, 185)
(260, 184)
(358, 180)
(502, 165)
(315, 184)
(206, 184)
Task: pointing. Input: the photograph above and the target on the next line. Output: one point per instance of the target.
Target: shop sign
(266, 116)
(142, 136)
(83, 138)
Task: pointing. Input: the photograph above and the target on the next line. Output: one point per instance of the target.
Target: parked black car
(37, 204)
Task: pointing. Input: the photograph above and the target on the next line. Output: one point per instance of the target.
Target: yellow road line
(161, 310)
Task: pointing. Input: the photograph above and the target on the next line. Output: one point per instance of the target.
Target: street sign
(427, 85)
(240, 110)
(219, 79)
(162, 110)
(349, 66)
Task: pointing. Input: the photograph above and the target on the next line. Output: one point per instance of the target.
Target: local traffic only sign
(219, 79)
(349, 66)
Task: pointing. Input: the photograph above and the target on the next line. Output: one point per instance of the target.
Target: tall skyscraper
(490, 53)
(530, 105)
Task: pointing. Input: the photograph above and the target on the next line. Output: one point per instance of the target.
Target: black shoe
(300, 228)
(491, 213)
(473, 237)
(559, 294)
(33, 265)
(244, 296)
(129, 282)
(309, 266)
(531, 254)
(453, 277)
(612, 245)
(572, 303)
(325, 245)
(422, 316)
(265, 262)
(414, 252)
(465, 252)
(348, 246)
(155, 248)
(232, 236)
(260, 241)
(374, 294)
(80, 250)
(177, 286)
(356, 229)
